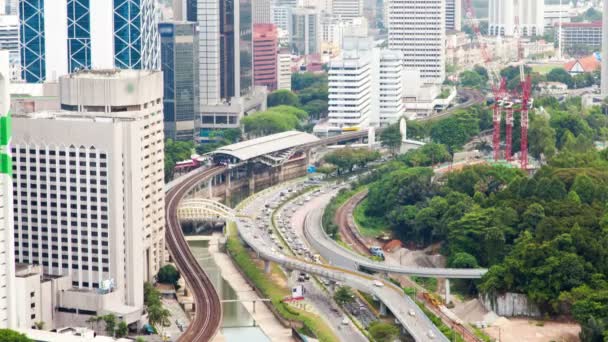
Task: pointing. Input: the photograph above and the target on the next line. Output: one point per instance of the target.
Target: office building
(284, 70)
(511, 17)
(305, 31)
(350, 86)
(453, 15)
(280, 15)
(389, 79)
(417, 28)
(347, 9)
(89, 189)
(265, 43)
(179, 52)
(7, 262)
(225, 47)
(62, 36)
(261, 11)
(586, 36)
(9, 41)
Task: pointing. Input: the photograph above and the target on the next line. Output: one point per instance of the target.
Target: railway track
(207, 304)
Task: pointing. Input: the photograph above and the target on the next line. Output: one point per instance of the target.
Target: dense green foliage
(344, 295)
(383, 332)
(7, 335)
(312, 92)
(156, 313)
(476, 78)
(274, 120)
(168, 274)
(283, 97)
(345, 159)
(543, 235)
(176, 151)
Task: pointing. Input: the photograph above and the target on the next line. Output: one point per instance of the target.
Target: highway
(402, 306)
(473, 97)
(343, 257)
(207, 305)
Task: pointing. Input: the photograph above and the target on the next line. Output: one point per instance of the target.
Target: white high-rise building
(508, 17)
(388, 87)
(417, 28)
(350, 86)
(280, 15)
(261, 11)
(453, 15)
(284, 70)
(9, 41)
(61, 36)
(89, 185)
(7, 262)
(305, 30)
(347, 9)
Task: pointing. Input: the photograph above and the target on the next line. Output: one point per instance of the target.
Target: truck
(377, 252)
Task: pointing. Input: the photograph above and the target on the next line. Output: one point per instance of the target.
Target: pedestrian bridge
(203, 209)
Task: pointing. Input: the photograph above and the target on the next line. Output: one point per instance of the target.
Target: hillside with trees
(544, 235)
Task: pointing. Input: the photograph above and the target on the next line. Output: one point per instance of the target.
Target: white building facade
(388, 87)
(7, 262)
(284, 70)
(61, 36)
(511, 17)
(347, 9)
(453, 15)
(9, 41)
(417, 29)
(89, 183)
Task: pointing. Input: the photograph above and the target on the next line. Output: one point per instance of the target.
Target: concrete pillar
(266, 266)
(210, 187)
(448, 297)
(382, 309)
(227, 191)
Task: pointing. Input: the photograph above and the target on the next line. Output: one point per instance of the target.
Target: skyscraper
(9, 40)
(305, 30)
(417, 28)
(7, 263)
(179, 52)
(508, 17)
(347, 9)
(453, 15)
(261, 11)
(265, 43)
(225, 46)
(61, 36)
(89, 183)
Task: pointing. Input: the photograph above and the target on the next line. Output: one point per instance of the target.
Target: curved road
(404, 309)
(207, 304)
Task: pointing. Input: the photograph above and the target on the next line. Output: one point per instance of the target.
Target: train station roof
(269, 144)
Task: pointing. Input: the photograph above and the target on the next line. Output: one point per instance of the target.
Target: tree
(283, 97)
(316, 108)
(383, 332)
(275, 120)
(541, 138)
(122, 330)
(391, 137)
(158, 315)
(471, 79)
(151, 295)
(463, 260)
(39, 325)
(7, 335)
(344, 295)
(140, 339)
(327, 169)
(560, 75)
(345, 159)
(168, 274)
(110, 323)
(176, 151)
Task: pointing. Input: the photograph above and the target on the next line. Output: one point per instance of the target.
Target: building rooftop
(109, 74)
(266, 145)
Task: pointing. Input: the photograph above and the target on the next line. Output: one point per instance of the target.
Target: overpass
(343, 257)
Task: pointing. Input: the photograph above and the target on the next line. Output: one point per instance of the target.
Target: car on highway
(411, 312)
(378, 283)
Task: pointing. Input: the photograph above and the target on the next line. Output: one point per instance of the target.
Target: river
(237, 323)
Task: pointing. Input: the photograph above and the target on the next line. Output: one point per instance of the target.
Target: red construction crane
(502, 99)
